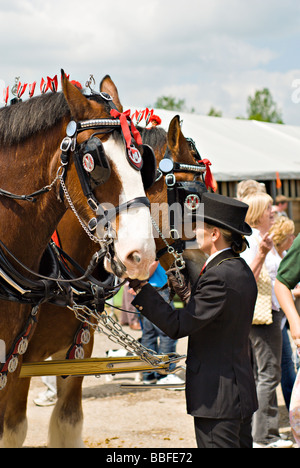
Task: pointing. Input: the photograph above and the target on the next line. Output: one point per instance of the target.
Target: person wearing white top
(266, 340)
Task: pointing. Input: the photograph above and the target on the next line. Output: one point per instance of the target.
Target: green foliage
(170, 103)
(262, 107)
(214, 112)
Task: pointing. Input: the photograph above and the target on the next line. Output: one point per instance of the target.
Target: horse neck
(25, 168)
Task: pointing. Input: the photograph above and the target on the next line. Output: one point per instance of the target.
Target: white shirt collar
(215, 254)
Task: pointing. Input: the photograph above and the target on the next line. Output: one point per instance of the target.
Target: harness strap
(81, 338)
(19, 347)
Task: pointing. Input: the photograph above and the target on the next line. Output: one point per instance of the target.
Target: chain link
(179, 260)
(93, 238)
(106, 325)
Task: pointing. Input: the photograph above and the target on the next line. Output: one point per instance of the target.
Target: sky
(212, 53)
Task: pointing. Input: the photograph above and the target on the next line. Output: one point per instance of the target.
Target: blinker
(94, 162)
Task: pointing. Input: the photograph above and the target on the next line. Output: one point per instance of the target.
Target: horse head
(108, 166)
(175, 192)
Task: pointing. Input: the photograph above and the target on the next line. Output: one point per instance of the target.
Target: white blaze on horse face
(135, 245)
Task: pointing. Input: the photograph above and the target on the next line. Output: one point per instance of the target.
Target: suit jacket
(217, 319)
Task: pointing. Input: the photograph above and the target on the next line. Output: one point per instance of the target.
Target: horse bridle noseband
(186, 194)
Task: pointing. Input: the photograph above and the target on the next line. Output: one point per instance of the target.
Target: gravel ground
(116, 417)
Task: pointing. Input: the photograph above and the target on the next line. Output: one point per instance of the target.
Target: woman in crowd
(283, 233)
(266, 340)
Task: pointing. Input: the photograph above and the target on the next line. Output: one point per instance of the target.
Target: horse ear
(108, 86)
(78, 104)
(174, 132)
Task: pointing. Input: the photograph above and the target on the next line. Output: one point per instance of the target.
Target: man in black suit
(220, 387)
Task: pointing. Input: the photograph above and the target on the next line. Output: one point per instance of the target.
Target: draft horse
(37, 148)
(57, 327)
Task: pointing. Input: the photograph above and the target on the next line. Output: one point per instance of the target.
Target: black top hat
(224, 212)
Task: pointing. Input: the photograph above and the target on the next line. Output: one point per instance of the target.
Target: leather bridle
(183, 194)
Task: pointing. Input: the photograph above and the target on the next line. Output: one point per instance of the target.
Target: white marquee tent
(242, 149)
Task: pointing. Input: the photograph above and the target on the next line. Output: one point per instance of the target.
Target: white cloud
(212, 52)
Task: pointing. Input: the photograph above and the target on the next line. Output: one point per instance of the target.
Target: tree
(170, 103)
(214, 112)
(262, 107)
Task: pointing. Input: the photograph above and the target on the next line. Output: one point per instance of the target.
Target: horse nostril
(134, 257)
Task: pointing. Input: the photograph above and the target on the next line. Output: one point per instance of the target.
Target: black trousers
(223, 433)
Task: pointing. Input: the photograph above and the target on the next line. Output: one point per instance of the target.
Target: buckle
(92, 204)
(174, 234)
(92, 224)
(66, 144)
(170, 180)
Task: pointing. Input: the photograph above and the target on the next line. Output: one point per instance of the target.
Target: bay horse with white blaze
(57, 327)
(37, 147)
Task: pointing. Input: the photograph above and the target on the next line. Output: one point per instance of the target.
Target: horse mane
(20, 121)
(156, 137)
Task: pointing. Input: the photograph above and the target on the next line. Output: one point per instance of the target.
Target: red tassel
(140, 116)
(52, 83)
(5, 95)
(148, 115)
(32, 89)
(43, 86)
(21, 89)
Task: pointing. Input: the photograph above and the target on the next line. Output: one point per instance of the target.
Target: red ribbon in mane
(124, 118)
(6, 94)
(31, 89)
(21, 89)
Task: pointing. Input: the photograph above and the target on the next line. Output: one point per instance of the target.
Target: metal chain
(179, 261)
(93, 238)
(113, 330)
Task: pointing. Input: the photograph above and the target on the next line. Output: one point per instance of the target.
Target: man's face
(283, 206)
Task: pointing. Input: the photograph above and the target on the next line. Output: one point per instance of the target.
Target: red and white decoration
(88, 162)
(139, 115)
(192, 202)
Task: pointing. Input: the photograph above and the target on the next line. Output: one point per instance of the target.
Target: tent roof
(242, 149)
